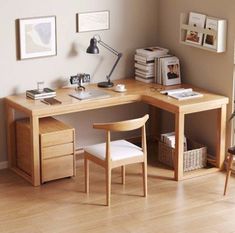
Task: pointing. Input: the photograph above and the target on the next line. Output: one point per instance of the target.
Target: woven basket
(193, 159)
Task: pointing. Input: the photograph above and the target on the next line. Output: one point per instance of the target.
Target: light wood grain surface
(190, 206)
(136, 92)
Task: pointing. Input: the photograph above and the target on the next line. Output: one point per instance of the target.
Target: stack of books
(36, 94)
(169, 139)
(144, 62)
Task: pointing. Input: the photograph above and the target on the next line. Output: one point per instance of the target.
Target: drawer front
(55, 138)
(58, 150)
(57, 168)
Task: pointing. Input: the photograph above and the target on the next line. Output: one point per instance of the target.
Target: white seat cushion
(120, 149)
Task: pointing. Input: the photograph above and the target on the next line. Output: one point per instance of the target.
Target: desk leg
(34, 133)
(11, 144)
(220, 137)
(179, 145)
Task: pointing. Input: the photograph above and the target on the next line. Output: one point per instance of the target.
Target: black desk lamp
(93, 49)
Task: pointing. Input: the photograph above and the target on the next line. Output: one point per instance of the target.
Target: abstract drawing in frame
(37, 37)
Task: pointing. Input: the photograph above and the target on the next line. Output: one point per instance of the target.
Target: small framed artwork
(37, 37)
(93, 21)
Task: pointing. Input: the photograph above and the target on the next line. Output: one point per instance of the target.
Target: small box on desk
(194, 158)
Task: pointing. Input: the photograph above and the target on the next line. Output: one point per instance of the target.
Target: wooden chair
(230, 158)
(112, 154)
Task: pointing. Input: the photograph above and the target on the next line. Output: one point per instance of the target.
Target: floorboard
(194, 205)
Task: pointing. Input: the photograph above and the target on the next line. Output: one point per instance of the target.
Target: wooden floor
(190, 206)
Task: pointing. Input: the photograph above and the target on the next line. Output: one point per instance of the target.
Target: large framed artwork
(37, 37)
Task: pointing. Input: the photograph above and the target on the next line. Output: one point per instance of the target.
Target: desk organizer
(194, 158)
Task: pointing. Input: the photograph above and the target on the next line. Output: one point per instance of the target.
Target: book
(216, 39)
(152, 52)
(184, 94)
(51, 101)
(144, 72)
(36, 94)
(196, 20)
(144, 67)
(158, 69)
(145, 80)
(143, 59)
(144, 75)
(170, 71)
(169, 139)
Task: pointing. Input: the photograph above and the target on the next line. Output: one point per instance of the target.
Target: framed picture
(37, 37)
(93, 21)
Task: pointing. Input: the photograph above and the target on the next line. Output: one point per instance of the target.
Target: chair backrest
(127, 125)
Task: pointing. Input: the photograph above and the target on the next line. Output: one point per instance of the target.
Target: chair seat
(120, 149)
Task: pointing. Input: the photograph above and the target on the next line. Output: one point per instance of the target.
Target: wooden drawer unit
(56, 148)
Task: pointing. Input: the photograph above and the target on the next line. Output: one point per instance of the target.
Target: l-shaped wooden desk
(136, 92)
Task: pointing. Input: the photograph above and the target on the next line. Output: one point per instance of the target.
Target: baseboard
(3, 165)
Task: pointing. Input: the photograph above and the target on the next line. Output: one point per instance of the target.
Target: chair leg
(87, 175)
(123, 175)
(230, 163)
(144, 170)
(108, 185)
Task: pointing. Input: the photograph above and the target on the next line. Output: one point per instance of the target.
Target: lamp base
(105, 84)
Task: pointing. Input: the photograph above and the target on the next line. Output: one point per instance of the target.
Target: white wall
(133, 24)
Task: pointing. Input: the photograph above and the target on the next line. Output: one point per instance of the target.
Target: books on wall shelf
(202, 31)
(35, 94)
(144, 62)
(182, 93)
(196, 20)
(167, 70)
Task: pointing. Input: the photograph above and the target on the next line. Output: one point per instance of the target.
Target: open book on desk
(90, 94)
(182, 93)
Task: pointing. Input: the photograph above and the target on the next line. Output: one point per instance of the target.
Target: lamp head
(93, 48)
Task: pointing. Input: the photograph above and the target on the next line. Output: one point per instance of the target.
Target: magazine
(170, 71)
(196, 20)
(183, 94)
(158, 69)
(210, 41)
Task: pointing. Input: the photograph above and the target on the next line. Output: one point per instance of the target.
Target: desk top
(136, 92)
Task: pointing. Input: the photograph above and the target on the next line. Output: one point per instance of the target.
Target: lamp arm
(119, 55)
(108, 47)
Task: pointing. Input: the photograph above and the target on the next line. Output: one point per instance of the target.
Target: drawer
(58, 150)
(57, 168)
(55, 138)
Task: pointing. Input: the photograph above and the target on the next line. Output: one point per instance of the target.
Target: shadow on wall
(3, 136)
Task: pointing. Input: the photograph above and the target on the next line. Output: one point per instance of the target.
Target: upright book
(196, 20)
(170, 71)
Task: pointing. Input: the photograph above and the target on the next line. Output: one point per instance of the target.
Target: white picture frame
(93, 21)
(37, 37)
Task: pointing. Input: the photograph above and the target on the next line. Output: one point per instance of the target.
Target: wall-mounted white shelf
(220, 34)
